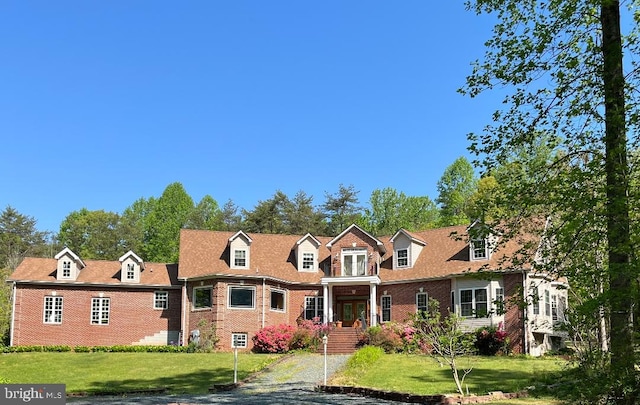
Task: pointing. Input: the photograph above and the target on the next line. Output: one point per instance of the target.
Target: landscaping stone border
(420, 399)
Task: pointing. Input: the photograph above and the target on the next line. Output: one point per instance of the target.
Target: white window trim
(131, 272)
(53, 311)
(382, 308)
(317, 309)
(246, 258)
(165, 301)
(313, 262)
(474, 307)
(473, 249)
(284, 300)
(193, 303)
(426, 302)
(101, 311)
(354, 253)
(242, 338)
(535, 304)
(245, 287)
(397, 256)
(66, 268)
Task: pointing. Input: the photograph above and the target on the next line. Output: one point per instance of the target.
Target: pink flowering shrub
(273, 339)
(392, 337)
(491, 340)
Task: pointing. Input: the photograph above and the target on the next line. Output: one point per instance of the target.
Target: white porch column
(330, 303)
(325, 304)
(374, 304)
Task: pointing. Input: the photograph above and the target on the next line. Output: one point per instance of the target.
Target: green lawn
(121, 372)
(421, 374)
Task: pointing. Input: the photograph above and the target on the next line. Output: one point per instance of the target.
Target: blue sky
(104, 102)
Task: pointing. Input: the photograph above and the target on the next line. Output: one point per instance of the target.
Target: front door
(349, 311)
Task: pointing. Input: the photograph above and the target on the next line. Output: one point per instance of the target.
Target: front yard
(125, 372)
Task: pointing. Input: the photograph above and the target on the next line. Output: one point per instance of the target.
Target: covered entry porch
(348, 299)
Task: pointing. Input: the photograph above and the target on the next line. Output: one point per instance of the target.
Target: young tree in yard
(445, 340)
(563, 61)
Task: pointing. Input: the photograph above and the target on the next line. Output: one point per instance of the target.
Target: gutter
(263, 300)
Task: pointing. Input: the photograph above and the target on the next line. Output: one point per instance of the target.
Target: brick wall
(131, 316)
(403, 297)
(234, 320)
(514, 318)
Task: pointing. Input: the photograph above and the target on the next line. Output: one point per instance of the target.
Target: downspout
(13, 314)
(184, 313)
(263, 300)
(525, 329)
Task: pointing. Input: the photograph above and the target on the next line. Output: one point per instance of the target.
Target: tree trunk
(616, 167)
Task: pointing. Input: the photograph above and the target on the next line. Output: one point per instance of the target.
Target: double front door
(349, 311)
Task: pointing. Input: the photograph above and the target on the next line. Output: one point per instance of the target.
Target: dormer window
(66, 269)
(130, 267)
(240, 255)
(402, 258)
(308, 261)
(131, 271)
(240, 258)
(306, 251)
(479, 249)
(69, 265)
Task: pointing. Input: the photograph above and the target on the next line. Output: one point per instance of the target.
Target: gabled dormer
(355, 252)
(240, 251)
(131, 265)
(69, 265)
(306, 251)
(482, 241)
(406, 249)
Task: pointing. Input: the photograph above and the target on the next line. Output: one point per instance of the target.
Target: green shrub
(57, 348)
(82, 349)
(383, 337)
(365, 357)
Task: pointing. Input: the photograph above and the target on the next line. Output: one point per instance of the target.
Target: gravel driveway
(291, 381)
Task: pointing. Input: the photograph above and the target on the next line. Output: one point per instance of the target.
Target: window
(385, 304)
(554, 307)
(308, 261)
(481, 302)
(536, 301)
(499, 302)
(99, 311)
(313, 307)
(160, 300)
(402, 258)
(422, 303)
(479, 249)
(242, 297)
(473, 302)
(52, 310)
(240, 258)
(239, 340)
(66, 269)
(131, 271)
(277, 300)
(202, 297)
(354, 262)
(547, 303)
(562, 307)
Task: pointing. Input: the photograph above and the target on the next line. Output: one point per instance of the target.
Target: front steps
(341, 341)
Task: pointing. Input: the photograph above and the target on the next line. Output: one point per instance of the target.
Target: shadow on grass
(482, 380)
(197, 382)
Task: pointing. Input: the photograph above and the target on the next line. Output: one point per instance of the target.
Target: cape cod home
(243, 281)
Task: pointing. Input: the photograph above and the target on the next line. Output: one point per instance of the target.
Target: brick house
(242, 282)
